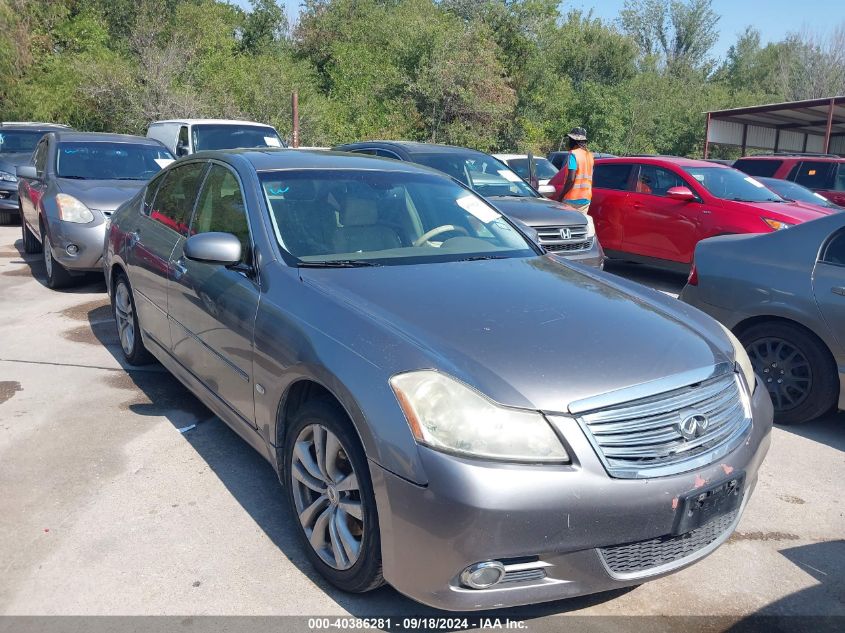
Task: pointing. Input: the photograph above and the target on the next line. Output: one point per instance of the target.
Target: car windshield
(365, 217)
(731, 184)
(545, 170)
(19, 141)
(794, 192)
(234, 136)
(110, 161)
(487, 175)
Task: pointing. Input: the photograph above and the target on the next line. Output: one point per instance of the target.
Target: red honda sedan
(656, 209)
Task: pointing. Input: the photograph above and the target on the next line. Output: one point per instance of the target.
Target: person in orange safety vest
(574, 182)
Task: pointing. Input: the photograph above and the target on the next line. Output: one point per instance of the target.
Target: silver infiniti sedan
(783, 295)
(449, 410)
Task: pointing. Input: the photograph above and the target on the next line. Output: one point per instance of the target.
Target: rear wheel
(330, 493)
(30, 244)
(796, 369)
(128, 327)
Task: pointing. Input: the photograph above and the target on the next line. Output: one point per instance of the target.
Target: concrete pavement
(106, 507)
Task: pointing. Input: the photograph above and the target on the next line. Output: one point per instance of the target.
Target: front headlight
(7, 177)
(777, 225)
(72, 210)
(591, 227)
(742, 360)
(447, 415)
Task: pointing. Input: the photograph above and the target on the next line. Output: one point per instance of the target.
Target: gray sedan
(74, 181)
(783, 294)
(450, 410)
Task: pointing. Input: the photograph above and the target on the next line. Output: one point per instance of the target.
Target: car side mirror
(181, 150)
(680, 193)
(27, 171)
(214, 248)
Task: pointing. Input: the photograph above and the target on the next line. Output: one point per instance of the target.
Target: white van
(186, 136)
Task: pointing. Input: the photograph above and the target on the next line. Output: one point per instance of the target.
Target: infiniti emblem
(693, 424)
(566, 233)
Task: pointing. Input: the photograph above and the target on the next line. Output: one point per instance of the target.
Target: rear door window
(815, 174)
(752, 167)
(834, 252)
(614, 176)
(175, 199)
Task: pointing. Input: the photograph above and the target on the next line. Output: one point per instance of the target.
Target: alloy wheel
(125, 318)
(785, 371)
(327, 496)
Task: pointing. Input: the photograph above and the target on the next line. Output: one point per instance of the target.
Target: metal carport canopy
(815, 125)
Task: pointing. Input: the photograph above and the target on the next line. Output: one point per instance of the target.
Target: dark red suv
(823, 173)
(656, 209)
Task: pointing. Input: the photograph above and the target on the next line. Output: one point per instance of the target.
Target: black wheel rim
(785, 371)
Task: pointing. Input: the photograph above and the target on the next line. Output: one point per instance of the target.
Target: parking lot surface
(113, 502)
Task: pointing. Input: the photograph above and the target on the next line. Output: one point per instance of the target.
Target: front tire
(57, 275)
(795, 367)
(128, 327)
(331, 495)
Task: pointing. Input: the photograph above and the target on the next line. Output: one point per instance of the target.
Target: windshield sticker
(477, 208)
(509, 175)
(2, 139)
(277, 191)
(756, 183)
(272, 141)
(698, 177)
(163, 162)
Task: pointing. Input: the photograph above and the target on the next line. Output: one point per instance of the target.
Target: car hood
(538, 211)
(105, 195)
(785, 211)
(534, 332)
(15, 158)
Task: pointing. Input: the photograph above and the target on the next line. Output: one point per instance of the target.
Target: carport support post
(744, 136)
(829, 127)
(294, 106)
(707, 137)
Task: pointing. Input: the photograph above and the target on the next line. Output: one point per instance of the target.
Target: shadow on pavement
(829, 430)
(657, 278)
(253, 481)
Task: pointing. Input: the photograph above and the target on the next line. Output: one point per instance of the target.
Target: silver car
(783, 295)
(70, 187)
(450, 410)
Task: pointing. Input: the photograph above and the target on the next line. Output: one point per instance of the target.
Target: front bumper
(548, 517)
(89, 240)
(593, 256)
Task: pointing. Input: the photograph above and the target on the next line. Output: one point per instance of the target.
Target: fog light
(72, 249)
(483, 575)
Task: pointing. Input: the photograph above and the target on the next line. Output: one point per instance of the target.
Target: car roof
(271, 158)
(102, 137)
(678, 161)
(32, 125)
(415, 147)
(211, 122)
(796, 157)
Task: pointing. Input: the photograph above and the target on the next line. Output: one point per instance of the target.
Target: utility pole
(294, 102)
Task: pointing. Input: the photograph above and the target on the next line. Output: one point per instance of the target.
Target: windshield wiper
(337, 263)
(74, 177)
(478, 258)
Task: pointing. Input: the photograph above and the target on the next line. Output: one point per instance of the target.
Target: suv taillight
(692, 280)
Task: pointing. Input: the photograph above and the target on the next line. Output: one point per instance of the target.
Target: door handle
(133, 238)
(838, 290)
(179, 268)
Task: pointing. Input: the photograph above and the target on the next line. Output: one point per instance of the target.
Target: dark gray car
(783, 294)
(450, 410)
(17, 142)
(73, 183)
(559, 227)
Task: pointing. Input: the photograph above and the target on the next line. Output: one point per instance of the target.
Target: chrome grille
(553, 238)
(642, 438)
(642, 556)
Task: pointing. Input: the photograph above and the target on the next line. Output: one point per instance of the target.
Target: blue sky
(773, 18)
